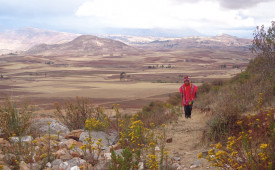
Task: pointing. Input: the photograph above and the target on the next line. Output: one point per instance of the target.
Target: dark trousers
(188, 110)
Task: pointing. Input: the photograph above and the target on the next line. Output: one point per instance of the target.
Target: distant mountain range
(38, 41)
(222, 41)
(25, 38)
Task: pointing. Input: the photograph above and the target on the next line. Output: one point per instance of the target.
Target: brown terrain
(91, 67)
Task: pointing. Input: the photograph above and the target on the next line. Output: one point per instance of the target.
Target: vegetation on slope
(228, 100)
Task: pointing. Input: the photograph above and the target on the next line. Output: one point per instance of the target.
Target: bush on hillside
(75, 113)
(250, 145)
(14, 121)
(158, 113)
(230, 100)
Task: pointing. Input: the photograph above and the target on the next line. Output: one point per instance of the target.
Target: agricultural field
(131, 80)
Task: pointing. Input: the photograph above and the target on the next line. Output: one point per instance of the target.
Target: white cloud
(166, 14)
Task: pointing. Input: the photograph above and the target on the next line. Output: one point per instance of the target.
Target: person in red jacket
(188, 94)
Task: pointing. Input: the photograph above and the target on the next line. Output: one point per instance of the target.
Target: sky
(208, 17)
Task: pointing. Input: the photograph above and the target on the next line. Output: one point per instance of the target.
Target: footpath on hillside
(187, 141)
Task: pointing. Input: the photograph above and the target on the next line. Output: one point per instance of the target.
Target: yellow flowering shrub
(252, 148)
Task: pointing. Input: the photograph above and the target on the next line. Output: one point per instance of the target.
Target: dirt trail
(187, 140)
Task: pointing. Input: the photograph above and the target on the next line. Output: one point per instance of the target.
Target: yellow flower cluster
(263, 146)
(43, 156)
(72, 146)
(152, 162)
(94, 124)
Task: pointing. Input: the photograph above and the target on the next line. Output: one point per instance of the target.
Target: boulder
(23, 166)
(41, 126)
(63, 154)
(68, 143)
(77, 152)
(36, 166)
(195, 164)
(75, 168)
(49, 165)
(75, 134)
(140, 166)
(175, 166)
(76, 162)
(157, 149)
(64, 166)
(57, 162)
(108, 139)
(107, 156)
(4, 143)
(176, 158)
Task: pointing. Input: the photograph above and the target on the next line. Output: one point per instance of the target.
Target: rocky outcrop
(41, 126)
(108, 139)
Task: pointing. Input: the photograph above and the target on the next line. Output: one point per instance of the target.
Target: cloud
(205, 16)
(241, 4)
(230, 4)
(38, 8)
(163, 14)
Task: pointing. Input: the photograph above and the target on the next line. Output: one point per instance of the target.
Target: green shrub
(15, 120)
(157, 113)
(218, 82)
(124, 161)
(220, 126)
(249, 146)
(204, 88)
(174, 99)
(74, 113)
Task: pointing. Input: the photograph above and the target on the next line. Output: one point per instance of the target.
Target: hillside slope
(24, 38)
(85, 44)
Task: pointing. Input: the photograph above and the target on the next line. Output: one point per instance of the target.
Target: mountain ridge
(85, 44)
(24, 38)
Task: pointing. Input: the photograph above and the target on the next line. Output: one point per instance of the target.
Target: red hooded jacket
(188, 93)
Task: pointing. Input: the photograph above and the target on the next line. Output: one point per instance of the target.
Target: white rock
(175, 166)
(107, 156)
(157, 149)
(65, 166)
(75, 168)
(193, 166)
(42, 127)
(57, 162)
(176, 158)
(179, 168)
(76, 162)
(107, 139)
(140, 166)
(49, 165)
(23, 139)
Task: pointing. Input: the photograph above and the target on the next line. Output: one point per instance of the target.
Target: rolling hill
(24, 38)
(85, 44)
